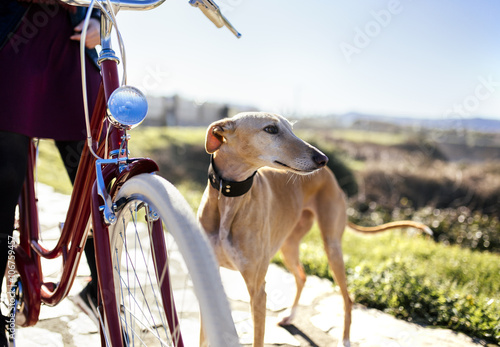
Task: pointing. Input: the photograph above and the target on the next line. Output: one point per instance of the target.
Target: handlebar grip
(212, 11)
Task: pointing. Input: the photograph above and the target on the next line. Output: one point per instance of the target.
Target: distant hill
(471, 124)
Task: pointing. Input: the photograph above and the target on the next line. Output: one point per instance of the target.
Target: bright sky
(421, 58)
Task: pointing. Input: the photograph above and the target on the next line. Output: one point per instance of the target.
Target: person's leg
(13, 162)
(70, 153)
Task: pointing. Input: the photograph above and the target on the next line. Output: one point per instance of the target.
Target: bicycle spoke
(138, 316)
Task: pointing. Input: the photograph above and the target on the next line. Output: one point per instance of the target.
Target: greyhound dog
(257, 203)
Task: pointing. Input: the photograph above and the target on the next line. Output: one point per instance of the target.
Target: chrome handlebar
(133, 5)
(208, 7)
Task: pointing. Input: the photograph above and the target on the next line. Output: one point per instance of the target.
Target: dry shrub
(437, 184)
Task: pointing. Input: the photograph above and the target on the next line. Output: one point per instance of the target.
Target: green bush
(404, 293)
(460, 226)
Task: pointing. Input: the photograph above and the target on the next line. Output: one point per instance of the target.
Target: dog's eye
(271, 129)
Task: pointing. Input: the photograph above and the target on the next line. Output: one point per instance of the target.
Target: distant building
(178, 111)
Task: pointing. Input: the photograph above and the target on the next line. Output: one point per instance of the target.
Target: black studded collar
(226, 187)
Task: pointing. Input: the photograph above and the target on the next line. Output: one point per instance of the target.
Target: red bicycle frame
(84, 205)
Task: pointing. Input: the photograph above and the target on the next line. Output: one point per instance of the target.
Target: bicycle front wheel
(165, 278)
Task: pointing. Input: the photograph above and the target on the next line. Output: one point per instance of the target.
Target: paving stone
(280, 288)
(87, 340)
(275, 335)
(37, 337)
(372, 327)
(64, 308)
(82, 325)
(52, 206)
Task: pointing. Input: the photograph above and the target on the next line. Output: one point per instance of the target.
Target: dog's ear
(216, 134)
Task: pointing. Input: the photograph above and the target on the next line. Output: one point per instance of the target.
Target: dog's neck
(231, 169)
(230, 186)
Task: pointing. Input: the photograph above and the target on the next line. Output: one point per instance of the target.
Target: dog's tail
(391, 225)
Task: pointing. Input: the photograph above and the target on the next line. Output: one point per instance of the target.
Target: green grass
(151, 138)
(50, 168)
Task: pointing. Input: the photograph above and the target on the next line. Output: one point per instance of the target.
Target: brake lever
(212, 11)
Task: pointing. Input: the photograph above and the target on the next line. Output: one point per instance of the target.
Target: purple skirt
(40, 79)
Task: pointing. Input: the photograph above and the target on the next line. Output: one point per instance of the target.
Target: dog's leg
(330, 211)
(331, 221)
(334, 253)
(292, 263)
(290, 251)
(257, 290)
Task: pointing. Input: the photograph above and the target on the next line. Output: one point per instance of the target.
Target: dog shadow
(296, 332)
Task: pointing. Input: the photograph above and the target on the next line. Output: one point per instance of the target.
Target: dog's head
(263, 139)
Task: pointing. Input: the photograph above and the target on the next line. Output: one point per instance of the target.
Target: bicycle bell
(127, 107)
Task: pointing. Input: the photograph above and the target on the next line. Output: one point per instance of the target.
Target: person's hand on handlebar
(93, 33)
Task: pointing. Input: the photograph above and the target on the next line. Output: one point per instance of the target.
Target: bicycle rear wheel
(147, 279)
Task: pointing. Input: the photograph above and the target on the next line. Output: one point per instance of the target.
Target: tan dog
(249, 215)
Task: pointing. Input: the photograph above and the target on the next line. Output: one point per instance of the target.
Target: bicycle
(112, 193)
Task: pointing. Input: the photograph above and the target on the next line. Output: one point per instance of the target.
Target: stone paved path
(319, 322)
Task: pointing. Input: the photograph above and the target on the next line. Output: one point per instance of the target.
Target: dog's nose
(320, 159)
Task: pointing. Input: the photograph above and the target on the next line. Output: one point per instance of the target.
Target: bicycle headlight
(127, 107)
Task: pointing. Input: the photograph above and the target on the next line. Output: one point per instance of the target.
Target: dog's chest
(239, 236)
(226, 254)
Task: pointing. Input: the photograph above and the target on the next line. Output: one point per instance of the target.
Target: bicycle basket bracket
(127, 107)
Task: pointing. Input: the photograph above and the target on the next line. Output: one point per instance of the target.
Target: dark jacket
(12, 13)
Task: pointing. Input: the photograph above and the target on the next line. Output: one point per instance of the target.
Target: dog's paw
(344, 343)
(285, 321)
